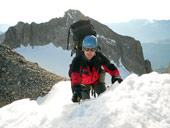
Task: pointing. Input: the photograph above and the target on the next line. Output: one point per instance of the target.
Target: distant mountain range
(145, 31)
(154, 37)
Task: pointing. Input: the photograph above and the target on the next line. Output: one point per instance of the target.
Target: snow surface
(108, 40)
(138, 102)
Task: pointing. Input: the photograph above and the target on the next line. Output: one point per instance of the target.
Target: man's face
(89, 52)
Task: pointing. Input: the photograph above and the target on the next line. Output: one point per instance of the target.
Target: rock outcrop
(148, 66)
(116, 47)
(20, 78)
(168, 69)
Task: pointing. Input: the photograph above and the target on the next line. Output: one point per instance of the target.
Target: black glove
(76, 93)
(116, 78)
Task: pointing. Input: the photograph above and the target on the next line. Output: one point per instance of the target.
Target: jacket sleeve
(75, 71)
(108, 66)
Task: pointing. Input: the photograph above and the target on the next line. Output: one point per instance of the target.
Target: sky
(138, 102)
(105, 11)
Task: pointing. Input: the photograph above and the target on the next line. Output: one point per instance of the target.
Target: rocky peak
(74, 14)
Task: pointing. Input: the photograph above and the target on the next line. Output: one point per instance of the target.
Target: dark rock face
(114, 46)
(148, 66)
(22, 79)
(2, 37)
(36, 34)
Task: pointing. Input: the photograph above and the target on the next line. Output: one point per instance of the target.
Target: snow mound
(138, 102)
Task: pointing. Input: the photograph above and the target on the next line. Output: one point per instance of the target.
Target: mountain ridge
(125, 48)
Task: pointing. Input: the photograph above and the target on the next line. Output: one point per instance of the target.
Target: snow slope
(138, 102)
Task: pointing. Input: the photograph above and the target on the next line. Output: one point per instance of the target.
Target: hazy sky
(105, 11)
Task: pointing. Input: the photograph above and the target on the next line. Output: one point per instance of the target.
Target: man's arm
(75, 79)
(108, 66)
(75, 71)
(111, 69)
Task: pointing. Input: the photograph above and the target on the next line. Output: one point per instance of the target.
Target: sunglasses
(91, 49)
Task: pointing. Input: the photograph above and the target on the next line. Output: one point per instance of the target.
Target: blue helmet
(90, 41)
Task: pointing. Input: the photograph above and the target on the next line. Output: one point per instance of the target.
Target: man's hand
(76, 93)
(116, 78)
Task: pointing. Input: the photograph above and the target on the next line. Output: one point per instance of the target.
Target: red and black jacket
(87, 72)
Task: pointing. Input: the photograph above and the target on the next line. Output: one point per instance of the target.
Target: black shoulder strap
(68, 38)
